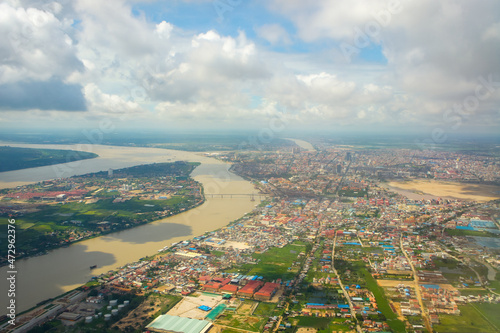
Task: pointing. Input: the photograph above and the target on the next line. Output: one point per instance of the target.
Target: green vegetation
(247, 322)
(470, 320)
(337, 324)
(445, 262)
(48, 225)
(322, 324)
(276, 263)
(178, 168)
(264, 309)
(314, 322)
(217, 253)
(474, 291)
(490, 311)
(167, 302)
(382, 302)
(226, 143)
(495, 285)
(14, 158)
(353, 193)
(459, 232)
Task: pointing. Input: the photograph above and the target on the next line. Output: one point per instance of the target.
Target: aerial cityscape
(230, 166)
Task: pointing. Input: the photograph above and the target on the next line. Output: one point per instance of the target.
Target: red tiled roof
(229, 288)
(268, 289)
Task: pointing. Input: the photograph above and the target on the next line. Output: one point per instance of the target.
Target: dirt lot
(306, 330)
(227, 244)
(477, 192)
(448, 287)
(246, 308)
(188, 307)
(393, 283)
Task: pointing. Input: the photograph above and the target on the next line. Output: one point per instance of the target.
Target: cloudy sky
(402, 65)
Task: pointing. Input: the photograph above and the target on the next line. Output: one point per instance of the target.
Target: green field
(264, 309)
(217, 253)
(320, 323)
(275, 262)
(458, 232)
(473, 291)
(14, 158)
(470, 320)
(337, 324)
(491, 312)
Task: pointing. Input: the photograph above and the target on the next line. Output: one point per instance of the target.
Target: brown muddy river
(60, 270)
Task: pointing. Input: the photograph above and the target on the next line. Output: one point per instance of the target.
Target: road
(491, 271)
(277, 326)
(491, 274)
(346, 295)
(417, 288)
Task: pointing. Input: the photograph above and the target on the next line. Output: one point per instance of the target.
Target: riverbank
(303, 144)
(97, 204)
(103, 233)
(64, 269)
(433, 189)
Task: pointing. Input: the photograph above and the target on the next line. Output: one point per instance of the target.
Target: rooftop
(167, 323)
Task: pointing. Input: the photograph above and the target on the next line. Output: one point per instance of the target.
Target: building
(267, 292)
(229, 288)
(174, 324)
(250, 288)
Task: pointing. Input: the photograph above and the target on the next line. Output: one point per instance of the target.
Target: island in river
(59, 212)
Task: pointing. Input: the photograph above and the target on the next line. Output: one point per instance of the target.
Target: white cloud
(492, 32)
(436, 50)
(164, 29)
(35, 47)
(127, 63)
(274, 34)
(107, 104)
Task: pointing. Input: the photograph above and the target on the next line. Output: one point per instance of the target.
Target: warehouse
(174, 324)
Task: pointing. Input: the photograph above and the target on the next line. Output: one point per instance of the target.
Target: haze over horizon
(354, 66)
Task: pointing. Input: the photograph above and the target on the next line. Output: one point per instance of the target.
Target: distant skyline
(400, 66)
